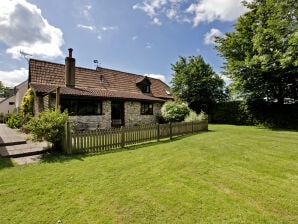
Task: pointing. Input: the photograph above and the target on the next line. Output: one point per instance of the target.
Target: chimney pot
(70, 52)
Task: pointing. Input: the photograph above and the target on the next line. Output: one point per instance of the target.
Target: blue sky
(143, 37)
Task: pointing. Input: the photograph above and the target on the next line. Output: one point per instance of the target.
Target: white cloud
(210, 36)
(13, 78)
(156, 21)
(99, 37)
(23, 27)
(210, 10)
(148, 46)
(91, 28)
(86, 10)
(134, 38)
(109, 28)
(171, 13)
(200, 11)
(157, 76)
(150, 6)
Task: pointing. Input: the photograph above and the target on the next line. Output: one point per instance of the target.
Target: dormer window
(144, 88)
(144, 85)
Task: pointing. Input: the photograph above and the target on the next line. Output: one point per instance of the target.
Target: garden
(230, 174)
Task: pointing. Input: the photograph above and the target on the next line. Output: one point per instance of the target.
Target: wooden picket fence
(92, 141)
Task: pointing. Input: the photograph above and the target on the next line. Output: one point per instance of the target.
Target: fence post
(122, 137)
(171, 131)
(158, 132)
(68, 146)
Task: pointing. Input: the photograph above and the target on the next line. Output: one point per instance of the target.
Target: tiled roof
(92, 92)
(46, 76)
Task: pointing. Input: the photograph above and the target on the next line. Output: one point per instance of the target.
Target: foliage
(174, 111)
(262, 53)
(232, 112)
(195, 82)
(193, 116)
(3, 117)
(49, 126)
(4, 91)
(256, 113)
(28, 102)
(160, 119)
(139, 124)
(231, 174)
(274, 115)
(17, 120)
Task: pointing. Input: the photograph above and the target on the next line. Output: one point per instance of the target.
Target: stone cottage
(100, 97)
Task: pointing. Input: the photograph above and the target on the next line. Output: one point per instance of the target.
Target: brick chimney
(70, 64)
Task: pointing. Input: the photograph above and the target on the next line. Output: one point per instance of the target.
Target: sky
(143, 37)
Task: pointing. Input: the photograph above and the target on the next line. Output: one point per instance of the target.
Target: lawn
(230, 174)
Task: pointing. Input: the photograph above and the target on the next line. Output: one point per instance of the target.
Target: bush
(174, 112)
(28, 102)
(17, 120)
(193, 116)
(49, 126)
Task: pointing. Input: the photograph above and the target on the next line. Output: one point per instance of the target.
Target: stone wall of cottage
(97, 121)
(133, 113)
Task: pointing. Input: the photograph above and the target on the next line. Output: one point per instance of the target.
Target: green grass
(230, 174)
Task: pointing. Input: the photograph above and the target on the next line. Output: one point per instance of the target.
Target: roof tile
(46, 76)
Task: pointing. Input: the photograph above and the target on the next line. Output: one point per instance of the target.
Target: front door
(117, 115)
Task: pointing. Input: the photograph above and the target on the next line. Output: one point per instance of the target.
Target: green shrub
(174, 112)
(49, 126)
(28, 102)
(17, 120)
(193, 116)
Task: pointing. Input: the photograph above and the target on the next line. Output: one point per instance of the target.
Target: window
(82, 107)
(144, 85)
(145, 88)
(146, 109)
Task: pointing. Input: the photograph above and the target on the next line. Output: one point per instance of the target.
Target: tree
(262, 53)
(4, 91)
(195, 82)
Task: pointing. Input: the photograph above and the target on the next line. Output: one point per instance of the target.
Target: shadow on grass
(59, 157)
(5, 163)
(284, 129)
(277, 129)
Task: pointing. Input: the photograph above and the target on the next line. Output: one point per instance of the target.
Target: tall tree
(195, 82)
(262, 53)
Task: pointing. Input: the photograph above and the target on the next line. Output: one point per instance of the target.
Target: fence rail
(89, 141)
